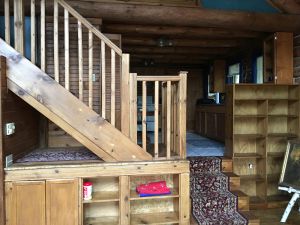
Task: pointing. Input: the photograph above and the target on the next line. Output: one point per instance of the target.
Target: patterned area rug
(58, 154)
(212, 203)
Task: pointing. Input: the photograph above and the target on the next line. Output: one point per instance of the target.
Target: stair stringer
(56, 103)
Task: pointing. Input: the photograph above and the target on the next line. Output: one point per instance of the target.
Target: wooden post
(56, 42)
(7, 21)
(133, 107)
(124, 187)
(32, 24)
(144, 116)
(43, 35)
(2, 155)
(113, 89)
(182, 113)
(168, 135)
(184, 202)
(156, 109)
(80, 61)
(103, 80)
(19, 25)
(125, 100)
(91, 69)
(67, 56)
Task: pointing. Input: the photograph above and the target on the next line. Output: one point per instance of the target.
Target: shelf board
(249, 116)
(288, 135)
(108, 220)
(155, 218)
(276, 154)
(273, 177)
(104, 196)
(135, 196)
(249, 135)
(283, 115)
(252, 177)
(247, 155)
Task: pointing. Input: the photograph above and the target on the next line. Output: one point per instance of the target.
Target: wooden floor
(271, 217)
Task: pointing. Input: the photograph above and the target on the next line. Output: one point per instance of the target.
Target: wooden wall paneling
(26, 203)
(219, 68)
(62, 202)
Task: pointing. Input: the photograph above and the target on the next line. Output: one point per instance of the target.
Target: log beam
(188, 16)
(287, 6)
(177, 50)
(178, 32)
(204, 43)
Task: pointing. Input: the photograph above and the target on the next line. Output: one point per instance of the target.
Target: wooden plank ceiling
(183, 33)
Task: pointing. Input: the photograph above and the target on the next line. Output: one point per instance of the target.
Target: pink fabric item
(159, 187)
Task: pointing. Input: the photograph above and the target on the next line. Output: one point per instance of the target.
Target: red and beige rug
(212, 202)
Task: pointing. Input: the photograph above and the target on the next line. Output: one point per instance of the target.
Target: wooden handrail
(158, 78)
(89, 26)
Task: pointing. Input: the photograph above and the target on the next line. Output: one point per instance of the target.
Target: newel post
(125, 100)
(182, 113)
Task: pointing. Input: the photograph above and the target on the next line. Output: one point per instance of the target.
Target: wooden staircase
(234, 184)
(63, 108)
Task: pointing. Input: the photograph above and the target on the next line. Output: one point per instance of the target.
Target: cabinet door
(25, 203)
(62, 202)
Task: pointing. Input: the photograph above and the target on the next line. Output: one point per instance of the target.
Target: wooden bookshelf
(260, 121)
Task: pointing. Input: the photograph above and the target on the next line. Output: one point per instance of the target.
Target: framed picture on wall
(290, 174)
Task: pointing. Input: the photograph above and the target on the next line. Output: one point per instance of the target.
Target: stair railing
(158, 114)
(109, 81)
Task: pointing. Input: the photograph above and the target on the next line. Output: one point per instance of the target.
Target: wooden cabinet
(219, 70)
(260, 120)
(25, 203)
(278, 58)
(210, 121)
(42, 202)
(62, 202)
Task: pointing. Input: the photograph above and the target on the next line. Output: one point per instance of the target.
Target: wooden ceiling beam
(287, 6)
(187, 16)
(169, 60)
(171, 56)
(178, 32)
(176, 50)
(209, 43)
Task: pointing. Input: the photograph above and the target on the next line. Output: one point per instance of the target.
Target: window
(234, 74)
(259, 70)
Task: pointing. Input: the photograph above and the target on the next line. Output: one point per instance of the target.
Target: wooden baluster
(156, 109)
(19, 25)
(144, 116)
(125, 98)
(172, 118)
(32, 30)
(67, 54)
(90, 69)
(163, 111)
(7, 21)
(175, 119)
(80, 61)
(133, 106)
(168, 120)
(43, 36)
(113, 88)
(103, 80)
(56, 42)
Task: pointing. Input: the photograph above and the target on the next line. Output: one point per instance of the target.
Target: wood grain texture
(62, 202)
(68, 110)
(26, 201)
(7, 20)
